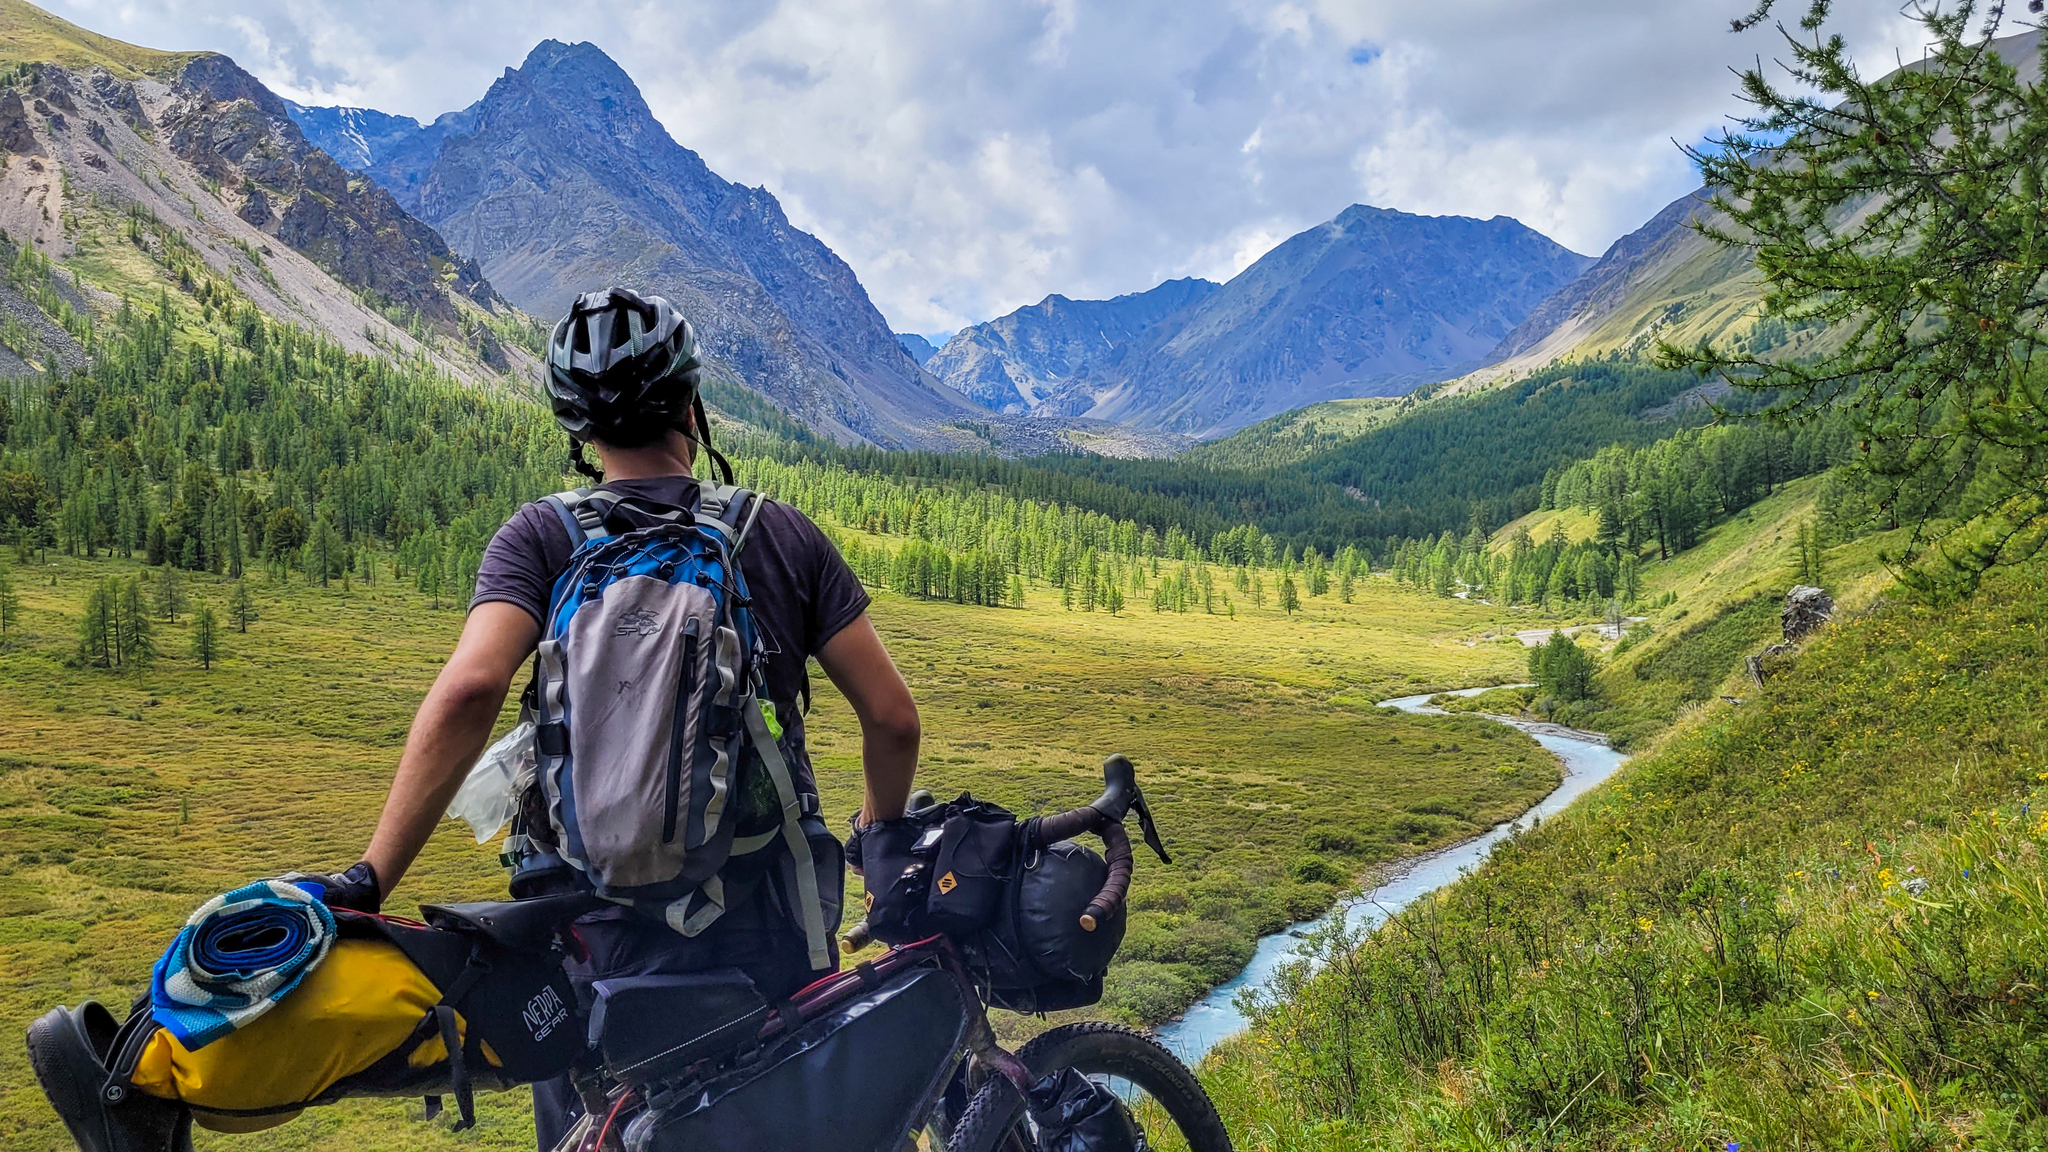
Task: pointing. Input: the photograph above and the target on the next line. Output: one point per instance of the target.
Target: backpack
(651, 733)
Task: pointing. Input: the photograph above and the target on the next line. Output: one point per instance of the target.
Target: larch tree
(1904, 215)
(206, 642)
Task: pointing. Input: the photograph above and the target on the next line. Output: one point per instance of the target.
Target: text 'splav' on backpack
(651, 726)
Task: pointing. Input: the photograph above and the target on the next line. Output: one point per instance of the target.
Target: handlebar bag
(395, 1009)
(855, 1079)
(976, 856)
(960, 856)
(1036, 957)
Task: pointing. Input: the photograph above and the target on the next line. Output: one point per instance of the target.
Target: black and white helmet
(622, 368)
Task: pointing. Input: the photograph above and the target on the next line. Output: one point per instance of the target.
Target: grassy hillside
(29, 35)
(1810, 921)
(127, 798)
(1297, 435)
(1577, 524)
(1712, 606)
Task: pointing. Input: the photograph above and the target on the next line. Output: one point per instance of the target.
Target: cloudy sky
(970, 156)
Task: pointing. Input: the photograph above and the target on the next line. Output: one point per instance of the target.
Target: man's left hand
(356, 889)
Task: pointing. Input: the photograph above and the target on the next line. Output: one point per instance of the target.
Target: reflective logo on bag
(543, 1013)
(638, 622)
(947, 884)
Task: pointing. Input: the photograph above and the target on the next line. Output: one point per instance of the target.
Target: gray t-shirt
(803, 592)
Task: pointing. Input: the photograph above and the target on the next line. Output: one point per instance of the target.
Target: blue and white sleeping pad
(238, 954)
(647, 710)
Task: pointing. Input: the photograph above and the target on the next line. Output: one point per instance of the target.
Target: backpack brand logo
(543, 1014)
(638, 622)
(946, 884)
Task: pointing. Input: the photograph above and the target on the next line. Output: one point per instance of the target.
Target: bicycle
(795, 1074)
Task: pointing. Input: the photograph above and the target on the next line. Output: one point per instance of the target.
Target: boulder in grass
(1806, 608)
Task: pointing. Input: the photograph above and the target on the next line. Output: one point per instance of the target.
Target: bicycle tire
(991, 1121)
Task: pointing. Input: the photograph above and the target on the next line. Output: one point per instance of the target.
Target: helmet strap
(703, 438)
(581, 465)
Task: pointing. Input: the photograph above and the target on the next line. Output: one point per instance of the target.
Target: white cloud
(971, 156)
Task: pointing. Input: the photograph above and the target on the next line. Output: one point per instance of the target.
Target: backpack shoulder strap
(582, 512)
(735, 507)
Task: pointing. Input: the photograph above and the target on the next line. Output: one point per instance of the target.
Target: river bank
(1587, 761)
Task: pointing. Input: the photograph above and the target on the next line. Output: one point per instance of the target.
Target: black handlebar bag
(962, 855)
(1036, 957)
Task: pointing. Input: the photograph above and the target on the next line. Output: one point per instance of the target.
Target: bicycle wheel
(1160, 1091)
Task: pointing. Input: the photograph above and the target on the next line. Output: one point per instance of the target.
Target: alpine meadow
(1753, 504)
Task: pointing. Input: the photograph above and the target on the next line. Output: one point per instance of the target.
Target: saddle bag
(395, 1009)
(857, 1079)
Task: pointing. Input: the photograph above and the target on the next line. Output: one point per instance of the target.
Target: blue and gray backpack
(651, 730)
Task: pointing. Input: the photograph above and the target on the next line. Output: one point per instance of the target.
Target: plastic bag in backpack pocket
(971, 868)
(490, 793)
(1075, 1114)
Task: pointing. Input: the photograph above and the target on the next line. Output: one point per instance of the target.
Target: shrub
(1331, 840)
(1307, 901)
(1143, 990)
(1315, 870)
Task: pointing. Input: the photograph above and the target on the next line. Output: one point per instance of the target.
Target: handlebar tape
(1116, 850)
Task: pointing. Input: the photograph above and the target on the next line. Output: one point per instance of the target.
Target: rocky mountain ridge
(1011, 364)
(1373, 303)
(238, 134)
(196, 155)
(560, 178)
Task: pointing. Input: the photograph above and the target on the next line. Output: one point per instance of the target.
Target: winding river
(1587, 761)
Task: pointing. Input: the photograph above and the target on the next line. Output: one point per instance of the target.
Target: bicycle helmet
(622, 368)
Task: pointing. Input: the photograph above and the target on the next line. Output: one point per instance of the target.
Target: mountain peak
(1371, 303)
(560, 179)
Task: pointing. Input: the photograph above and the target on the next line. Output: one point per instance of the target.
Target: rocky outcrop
(240, 135)
(1806, 608)
(15, 134)
(1013, 363)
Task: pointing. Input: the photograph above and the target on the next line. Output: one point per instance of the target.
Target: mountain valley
(267, 392)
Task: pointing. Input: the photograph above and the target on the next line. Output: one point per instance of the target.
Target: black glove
(881, 848)
(356, 889)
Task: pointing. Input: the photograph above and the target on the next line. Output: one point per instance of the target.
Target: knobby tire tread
(992, 1118)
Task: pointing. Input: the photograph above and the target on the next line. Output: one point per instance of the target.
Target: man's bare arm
(449, 732)
(860, 667)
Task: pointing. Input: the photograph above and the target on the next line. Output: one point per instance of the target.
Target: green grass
(126, 799)
(1728, 942)
(1295, 436)
(1577, 524)
(29, 35)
